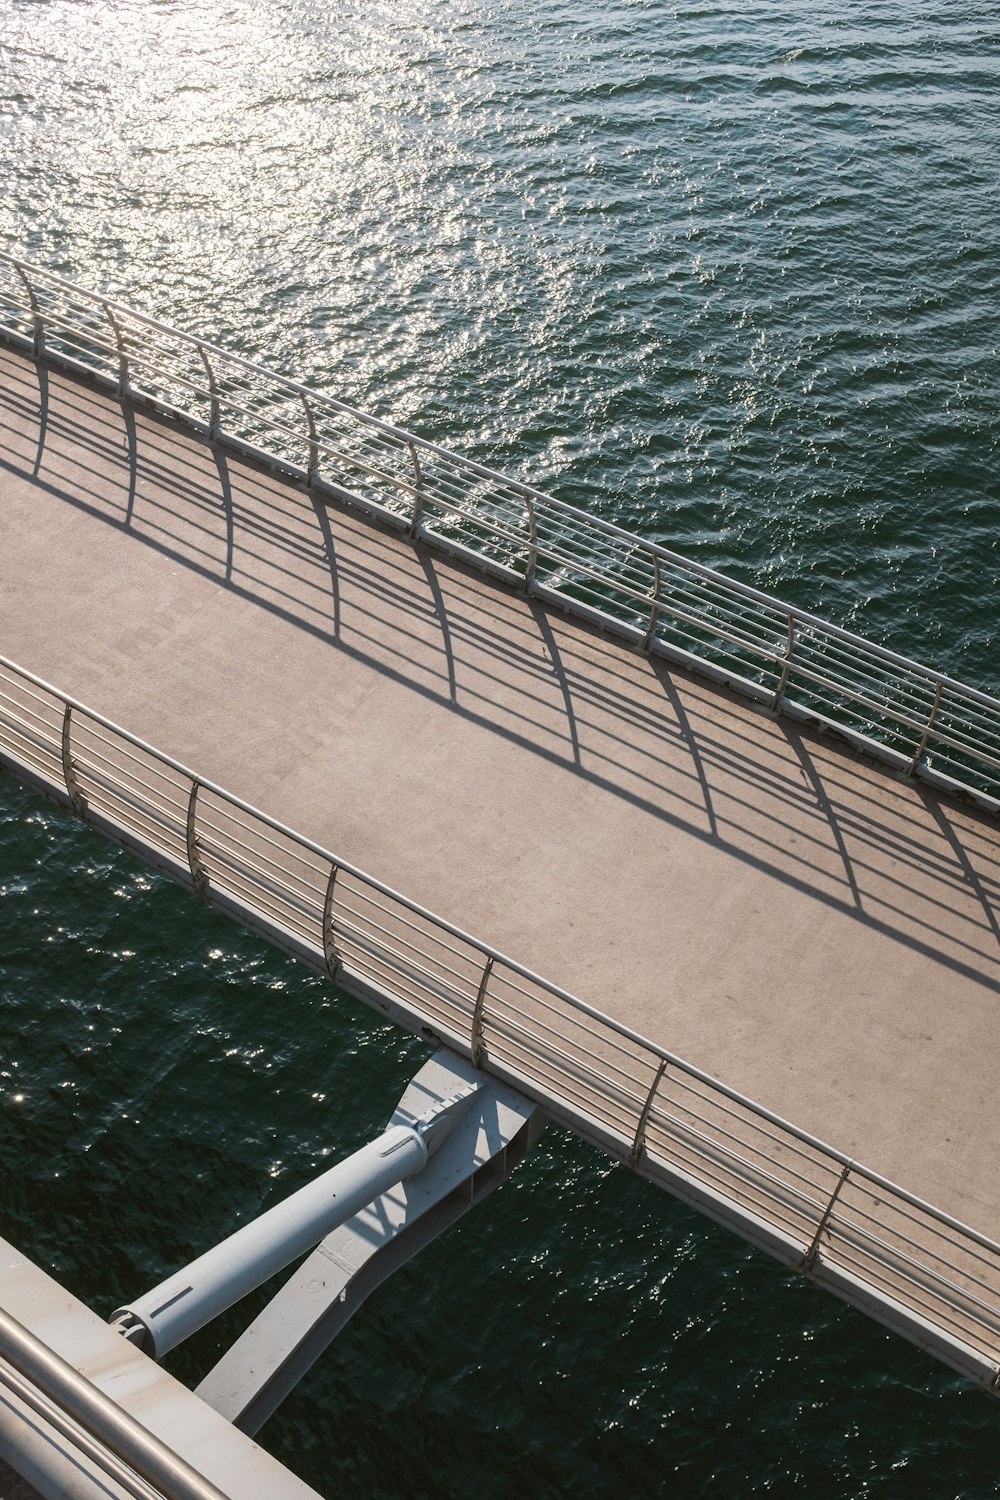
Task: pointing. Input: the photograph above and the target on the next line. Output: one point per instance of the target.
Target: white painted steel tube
(187, 1301)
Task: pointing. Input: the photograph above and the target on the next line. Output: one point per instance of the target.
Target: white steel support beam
(186, 1301)
(485, 1145)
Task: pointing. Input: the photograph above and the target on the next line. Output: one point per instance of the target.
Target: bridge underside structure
(738, 895)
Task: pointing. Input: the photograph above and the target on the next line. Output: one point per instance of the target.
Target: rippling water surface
(726, 274)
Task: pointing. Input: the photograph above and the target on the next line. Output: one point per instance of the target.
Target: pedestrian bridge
(716, 883)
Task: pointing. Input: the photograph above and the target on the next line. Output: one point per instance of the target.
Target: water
(727, 274)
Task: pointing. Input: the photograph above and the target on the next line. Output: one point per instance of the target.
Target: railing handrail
(112, 1426)
(497, 956)
(609, 528)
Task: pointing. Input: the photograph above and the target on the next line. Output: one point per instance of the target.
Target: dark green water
(725, 273)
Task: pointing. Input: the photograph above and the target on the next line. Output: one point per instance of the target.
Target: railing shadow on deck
(792, 803)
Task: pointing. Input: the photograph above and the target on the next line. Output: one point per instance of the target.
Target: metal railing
(922, 721)
(920, 1271)
(92, 1424)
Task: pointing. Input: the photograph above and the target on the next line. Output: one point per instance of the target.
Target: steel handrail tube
(735, 1162)
(955, 740)
(89, 1407)
(396, 946)
(964, 1302)
(23, 707)
(79, 1441)
(433, 935)
(157, 799)
(972, 1251)
(80, 340)
(684, 1114)
(264, 867)
(802, 1159)
(515, 1021)
(171, 814)
(858, 1214)
(239, 863)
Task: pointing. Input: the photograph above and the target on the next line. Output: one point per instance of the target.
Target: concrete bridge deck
(793, 918)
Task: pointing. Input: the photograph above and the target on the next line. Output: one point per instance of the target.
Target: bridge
(714, 882)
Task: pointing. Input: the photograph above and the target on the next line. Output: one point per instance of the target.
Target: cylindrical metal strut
(183, 1303)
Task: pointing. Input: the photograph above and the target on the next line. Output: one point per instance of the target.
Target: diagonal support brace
(483, 1148)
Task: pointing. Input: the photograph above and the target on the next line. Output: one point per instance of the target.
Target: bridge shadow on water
(793, 803)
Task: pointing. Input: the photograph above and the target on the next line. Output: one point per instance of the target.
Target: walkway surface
(818, 933)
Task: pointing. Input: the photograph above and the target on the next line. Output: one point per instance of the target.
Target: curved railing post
(786, 665)
(532, 555)
(639, 1140)
(654, 612)
(477, 1038)
(334, 962)
(418, 499)
(77, 800)
(917, 754)
(809, 1259)
(116, 329)
(312, 463)
(214, 413)
(199, 875)
(37, 320)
